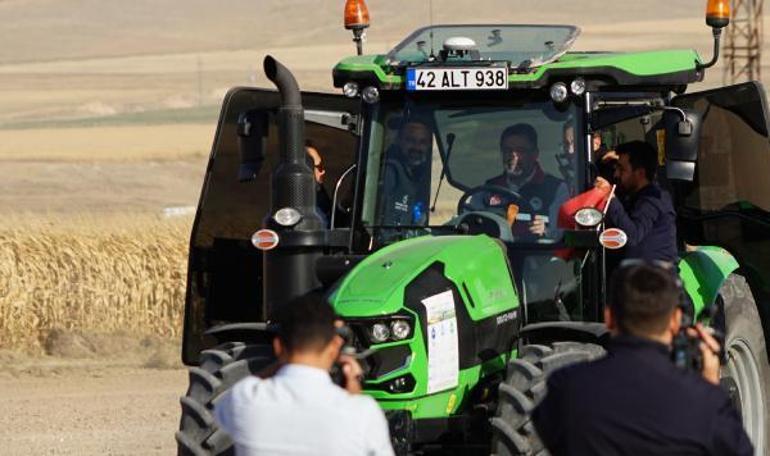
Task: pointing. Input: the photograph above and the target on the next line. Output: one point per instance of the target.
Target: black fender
(554, 331)
(250, 333)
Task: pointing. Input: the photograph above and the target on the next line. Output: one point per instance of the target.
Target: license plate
(456, 79)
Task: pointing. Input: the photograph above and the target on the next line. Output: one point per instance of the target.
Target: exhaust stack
(290, 267)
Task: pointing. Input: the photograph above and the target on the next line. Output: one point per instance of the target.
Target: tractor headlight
(380, 332)
(559, 92)
(288, 216)
(350, 89)
(588, 217)
(578, 86)
(393, 328)
(402, 384)
(400, 329)
(371, 95)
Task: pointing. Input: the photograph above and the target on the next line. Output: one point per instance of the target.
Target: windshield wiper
(450, 141)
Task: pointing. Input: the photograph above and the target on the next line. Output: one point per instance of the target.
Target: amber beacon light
(718, 13)
(717, 17)
(357, 19)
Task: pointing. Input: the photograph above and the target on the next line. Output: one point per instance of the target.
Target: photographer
(635, 401)
(299, 410)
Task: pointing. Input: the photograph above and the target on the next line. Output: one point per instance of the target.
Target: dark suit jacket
(649, 220)
(636, 402)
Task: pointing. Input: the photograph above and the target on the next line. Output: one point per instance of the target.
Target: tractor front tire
(524, 387)
(746, 374)
(219, 369)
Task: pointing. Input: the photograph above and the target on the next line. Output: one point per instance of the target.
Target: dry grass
(114, 274)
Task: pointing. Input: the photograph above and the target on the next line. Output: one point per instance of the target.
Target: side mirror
(252, 131)
(683, 129)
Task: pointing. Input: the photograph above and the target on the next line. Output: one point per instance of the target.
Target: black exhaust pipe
(289, 269)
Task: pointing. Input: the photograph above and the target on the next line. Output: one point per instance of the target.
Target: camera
(685, 352)
(348, 348)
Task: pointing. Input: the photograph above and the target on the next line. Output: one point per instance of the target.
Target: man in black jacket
(635, 401)
(643, 210)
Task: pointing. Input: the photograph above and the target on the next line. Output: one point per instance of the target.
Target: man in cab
(539, 194)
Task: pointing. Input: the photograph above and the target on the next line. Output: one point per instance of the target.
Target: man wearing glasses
(541, 193)
(322, 200)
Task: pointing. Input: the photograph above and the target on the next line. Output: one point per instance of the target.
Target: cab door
(728, 202)
(224, 280)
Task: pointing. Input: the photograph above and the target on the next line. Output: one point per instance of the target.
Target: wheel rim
(742, 372)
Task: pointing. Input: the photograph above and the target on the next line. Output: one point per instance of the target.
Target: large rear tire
(219, 369)
(746, 374)
(524, 387)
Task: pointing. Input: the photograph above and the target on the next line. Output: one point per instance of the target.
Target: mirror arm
(336, 190)
(717, 32)
(685, 126)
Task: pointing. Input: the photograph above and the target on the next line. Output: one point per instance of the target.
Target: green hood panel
(632, 68)
(375, 287)
(648, 63)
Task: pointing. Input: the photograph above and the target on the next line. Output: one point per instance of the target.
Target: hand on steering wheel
(508, 197)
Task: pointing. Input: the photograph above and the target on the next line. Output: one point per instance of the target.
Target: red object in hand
(594, 197)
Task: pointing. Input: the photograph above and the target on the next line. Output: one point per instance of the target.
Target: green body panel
(375, 286)
(446, 402)
(649, 64)
(476, 265)
(370, 64)
(703, 271)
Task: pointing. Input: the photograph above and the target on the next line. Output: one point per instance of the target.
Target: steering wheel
(509, 197)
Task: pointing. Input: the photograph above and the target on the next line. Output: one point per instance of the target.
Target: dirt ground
(90, 409)
(80, 399)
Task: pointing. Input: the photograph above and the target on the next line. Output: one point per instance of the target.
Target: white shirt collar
(303, 371)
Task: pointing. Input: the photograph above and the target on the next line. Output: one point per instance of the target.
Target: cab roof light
(717, 17)
(357, 19)
(356, 15)
(718, 13)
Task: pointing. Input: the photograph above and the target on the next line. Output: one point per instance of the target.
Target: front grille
(387, 360)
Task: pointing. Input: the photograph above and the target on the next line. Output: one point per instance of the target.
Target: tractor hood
(476, 264)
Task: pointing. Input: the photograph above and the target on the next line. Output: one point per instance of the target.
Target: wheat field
(114, 273)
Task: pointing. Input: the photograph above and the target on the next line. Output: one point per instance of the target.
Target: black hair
(522, 129)
(306, 323)
(640, 155)
(642, 298)
(421, 119)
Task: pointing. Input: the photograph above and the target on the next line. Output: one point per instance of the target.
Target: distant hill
(40, 30)
(90, 61)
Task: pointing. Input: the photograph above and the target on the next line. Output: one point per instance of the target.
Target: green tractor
(458, 312)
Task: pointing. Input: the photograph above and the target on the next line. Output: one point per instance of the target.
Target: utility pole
(743, 42)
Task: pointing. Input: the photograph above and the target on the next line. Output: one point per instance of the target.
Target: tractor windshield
(514, 160)
(508, 163)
